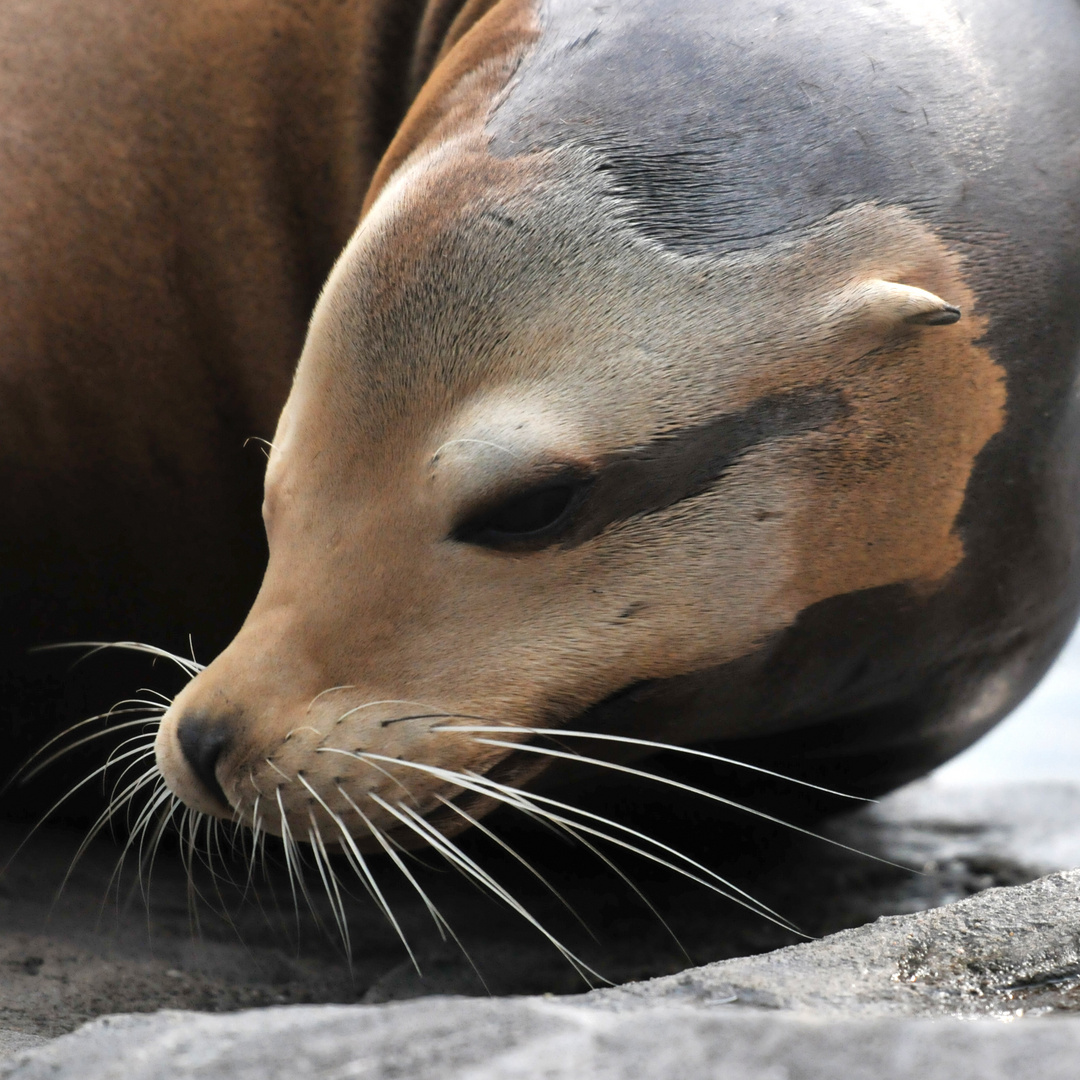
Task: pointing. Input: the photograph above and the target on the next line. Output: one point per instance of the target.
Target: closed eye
(527, 519)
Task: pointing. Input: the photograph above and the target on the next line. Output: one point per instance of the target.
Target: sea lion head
(532, 457)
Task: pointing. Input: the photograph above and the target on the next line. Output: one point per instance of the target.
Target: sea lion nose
(202, 741)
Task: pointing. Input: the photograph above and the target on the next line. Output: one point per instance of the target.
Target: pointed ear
(891, 304)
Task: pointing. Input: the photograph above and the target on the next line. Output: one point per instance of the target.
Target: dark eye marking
(687, 462)
(570, 507)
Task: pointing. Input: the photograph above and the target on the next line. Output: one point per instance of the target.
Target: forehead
(729, 123)
(524, 280)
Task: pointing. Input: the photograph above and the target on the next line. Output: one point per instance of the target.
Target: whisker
(143, 835)
(256, 830)
(160, 796)
(628, 881)
(361, 868)
(20, 773)
(389, 776)
(564, 830)
(56, 806)
(104, 819)
(41, 766)
(330, 884)
(295, 867)
(328, 690)
(440, 923)
(444, 928)
(477, 442)
(189, 823)
(284, 775)
(450, 850)
(724, 888)
(480, 827)
(384, 701)
(146, 864)
(484, 786)
(649, 743)
(189, 667)
(164, 702)
(669, 782)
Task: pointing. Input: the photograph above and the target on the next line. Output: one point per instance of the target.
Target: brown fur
(176, 180)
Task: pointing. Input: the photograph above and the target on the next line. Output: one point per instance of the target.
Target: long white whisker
(484, 786)
(451, 851)
(256, 831)
(440, 923)
(409, 825)
(561, 828)
(83, 741)
(104, 819)
(146, 868)
(60, 802)
(287, 846)
(389, 776)
(361, 868)
(330, 883)
(727, 889)
(21, 772)
(669, 782)
(558, 733)
(617, 870)
(160, 796)
(481, 827)
(189, 667)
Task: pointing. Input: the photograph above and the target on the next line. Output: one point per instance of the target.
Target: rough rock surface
(534, 1039)
(11, 1042)
(858, 1004)
(1007, 953)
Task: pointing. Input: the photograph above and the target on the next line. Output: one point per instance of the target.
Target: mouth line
(600, 709)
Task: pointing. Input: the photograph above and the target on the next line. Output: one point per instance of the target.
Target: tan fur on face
(492, 317)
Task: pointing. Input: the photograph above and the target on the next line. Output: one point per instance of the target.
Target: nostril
(202, 742)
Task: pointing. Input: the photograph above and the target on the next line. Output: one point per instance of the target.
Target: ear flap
(891, 304)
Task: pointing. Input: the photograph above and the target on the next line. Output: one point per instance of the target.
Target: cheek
(709, 579)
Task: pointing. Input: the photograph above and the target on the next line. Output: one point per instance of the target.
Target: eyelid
(537, 483)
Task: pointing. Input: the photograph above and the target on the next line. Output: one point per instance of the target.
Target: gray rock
(534, 1039)
(854, 1005)
(1005, 952)
(11, 1042)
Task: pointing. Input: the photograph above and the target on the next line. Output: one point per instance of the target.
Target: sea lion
(699, 375)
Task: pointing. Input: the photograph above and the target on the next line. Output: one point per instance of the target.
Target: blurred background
(1040, 741)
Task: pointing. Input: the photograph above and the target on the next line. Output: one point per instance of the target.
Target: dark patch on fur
(684, 463)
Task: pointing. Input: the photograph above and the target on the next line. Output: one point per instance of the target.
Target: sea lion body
(637, 404)
(177, 181)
